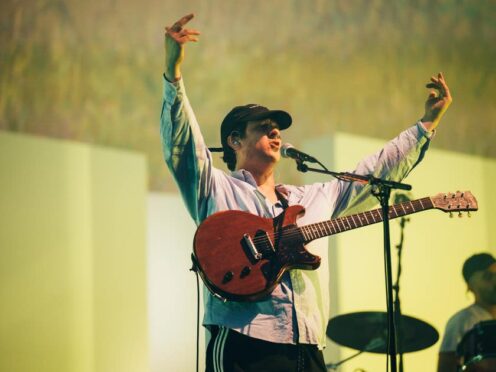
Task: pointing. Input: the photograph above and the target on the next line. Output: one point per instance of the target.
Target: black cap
(477, 262)
(251, 112)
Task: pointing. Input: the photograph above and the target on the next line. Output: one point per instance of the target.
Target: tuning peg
(460, 215)
(469, 215)
(451, 214)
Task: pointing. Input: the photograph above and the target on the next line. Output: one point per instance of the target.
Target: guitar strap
(282, 199)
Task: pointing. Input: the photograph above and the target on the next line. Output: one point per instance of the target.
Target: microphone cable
(194, 268)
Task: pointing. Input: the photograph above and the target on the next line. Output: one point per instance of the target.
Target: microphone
(288, 151)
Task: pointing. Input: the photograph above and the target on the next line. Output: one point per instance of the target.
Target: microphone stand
(396, 286)
(382, 190)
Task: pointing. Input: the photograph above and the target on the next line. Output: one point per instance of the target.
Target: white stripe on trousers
(218, 352)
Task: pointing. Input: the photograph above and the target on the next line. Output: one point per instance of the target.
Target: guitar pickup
(251, 247)
(269, 243)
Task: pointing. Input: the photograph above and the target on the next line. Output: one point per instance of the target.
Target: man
(286, 331)
(479, 272)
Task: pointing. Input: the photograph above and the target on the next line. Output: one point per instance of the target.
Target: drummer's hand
(175, 38)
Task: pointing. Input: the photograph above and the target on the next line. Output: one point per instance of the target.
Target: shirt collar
(246, 176)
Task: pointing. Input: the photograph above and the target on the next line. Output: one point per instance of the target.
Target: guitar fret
(345, 223)
(303, 232)
(393, 209)
(348, 222)
(308, 232)
(321, 229)
(316, 230)
(335, 224)
(327, 228)
(354, 222)
(312, 231)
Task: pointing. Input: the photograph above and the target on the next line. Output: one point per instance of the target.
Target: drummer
(479, 272)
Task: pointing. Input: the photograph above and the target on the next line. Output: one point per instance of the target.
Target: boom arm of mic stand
(352, 177)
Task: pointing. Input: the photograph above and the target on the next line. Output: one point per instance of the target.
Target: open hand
(437, 103)
(175, 38)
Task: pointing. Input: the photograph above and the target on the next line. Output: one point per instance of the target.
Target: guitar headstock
(460, 201)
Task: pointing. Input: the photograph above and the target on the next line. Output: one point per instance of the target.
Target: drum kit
(366, 331)
(477, 349)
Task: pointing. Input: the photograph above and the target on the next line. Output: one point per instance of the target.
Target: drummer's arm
(447, 362)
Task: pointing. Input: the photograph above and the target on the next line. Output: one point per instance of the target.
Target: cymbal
(367, 331)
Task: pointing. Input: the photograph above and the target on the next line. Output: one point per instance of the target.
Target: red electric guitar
(242, 257)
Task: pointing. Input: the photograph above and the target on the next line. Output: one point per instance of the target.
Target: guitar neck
(354, 221)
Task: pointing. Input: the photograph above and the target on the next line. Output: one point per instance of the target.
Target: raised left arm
(437, 103)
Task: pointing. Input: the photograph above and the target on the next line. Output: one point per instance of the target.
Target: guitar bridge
(251, 247)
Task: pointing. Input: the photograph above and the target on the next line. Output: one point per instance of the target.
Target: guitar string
(293, 233)
(299, 230)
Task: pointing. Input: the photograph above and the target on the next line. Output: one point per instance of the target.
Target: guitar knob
(245, 272)
(227, 277)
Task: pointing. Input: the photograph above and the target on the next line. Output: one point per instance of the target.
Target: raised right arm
(183, 146)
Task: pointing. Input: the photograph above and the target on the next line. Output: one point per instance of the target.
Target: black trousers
(231, 351)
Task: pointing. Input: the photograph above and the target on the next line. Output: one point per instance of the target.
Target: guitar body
(242, 257)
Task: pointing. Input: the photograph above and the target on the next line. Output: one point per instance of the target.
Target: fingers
(439, 84)
(183, 35)
(180, 23)
(180, 34)
(443, 83)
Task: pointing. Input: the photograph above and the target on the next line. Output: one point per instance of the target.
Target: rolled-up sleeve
(184, 149)
(393, 162)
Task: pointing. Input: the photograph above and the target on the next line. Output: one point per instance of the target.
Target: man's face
(262, 141)
(483, 284)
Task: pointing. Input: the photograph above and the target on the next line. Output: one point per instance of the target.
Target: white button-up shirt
(297, 311)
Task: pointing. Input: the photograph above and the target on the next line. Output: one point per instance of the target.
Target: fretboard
(354, 221)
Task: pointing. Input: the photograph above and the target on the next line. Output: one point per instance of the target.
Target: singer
(286, 330)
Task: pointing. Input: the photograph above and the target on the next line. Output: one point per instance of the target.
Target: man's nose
(274, 133)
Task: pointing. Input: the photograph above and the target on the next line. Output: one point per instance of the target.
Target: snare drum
(477, 349)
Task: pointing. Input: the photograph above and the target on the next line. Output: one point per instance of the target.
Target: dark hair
(477, 262)
(229, 154)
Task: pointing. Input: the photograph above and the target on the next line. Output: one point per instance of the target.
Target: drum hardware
(477, 349)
